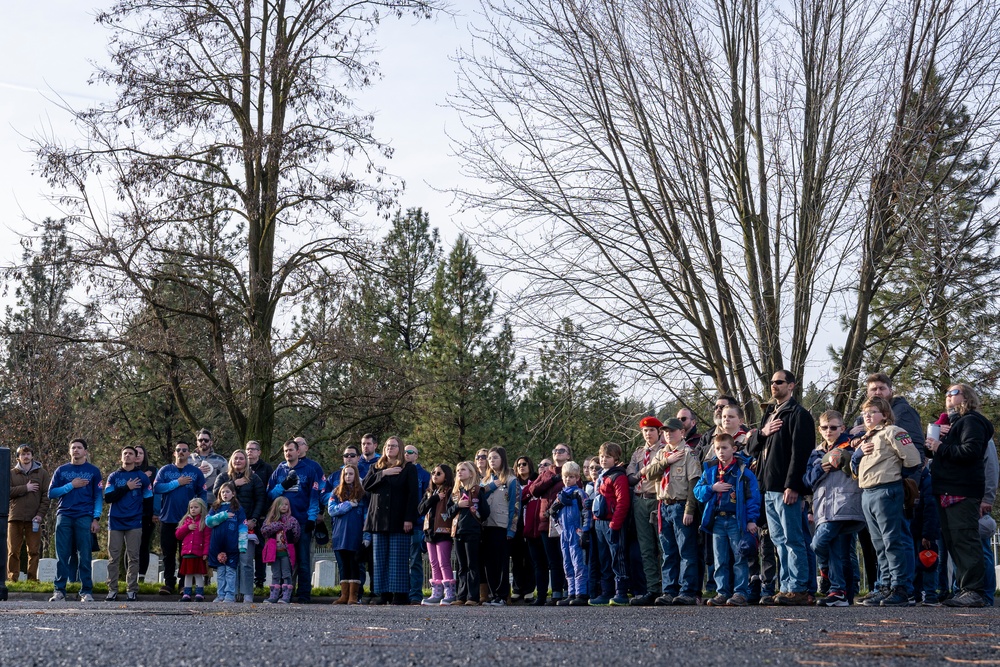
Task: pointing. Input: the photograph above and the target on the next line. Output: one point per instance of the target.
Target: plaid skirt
(391, 556)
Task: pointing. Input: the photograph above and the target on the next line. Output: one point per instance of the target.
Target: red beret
(650, 421)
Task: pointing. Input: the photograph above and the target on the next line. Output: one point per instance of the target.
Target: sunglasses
(352, 455)
(522, 464)
(831, 427)
(411, 451)
(779, 382)
(182, 451)
(560, 451)
(721, 406)
(684, 419)
(953, 392)
(480, 457)
(544, 465)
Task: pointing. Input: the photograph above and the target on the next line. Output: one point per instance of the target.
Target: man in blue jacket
(417, 545)
(125, 492)
(178, 484)
(77, 486)
(299, 482)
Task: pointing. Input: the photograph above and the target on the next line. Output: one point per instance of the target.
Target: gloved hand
(290, 481)
(554, 508)
(585, 540)
(310, 524)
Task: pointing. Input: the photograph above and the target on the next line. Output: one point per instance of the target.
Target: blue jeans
(785, 524)
(417, 546)
(303, 566)
(828, 545)
(726, 535)
(226, 576)
(679, 544)
(883, 508)
(991, 573)
(73, 538)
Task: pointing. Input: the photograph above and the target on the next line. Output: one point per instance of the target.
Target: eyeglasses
(182, 451)
(480, 457)
(350, 455)
(831, 427)
(560, 451)
(411, 451)
(953, 392)
(779, 382)
(201, 440)
(522, 464)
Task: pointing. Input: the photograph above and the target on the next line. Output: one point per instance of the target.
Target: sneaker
(185, 598)
(86, 597)
(646, 600)
(897, 598)
(579, 601)
(717, 601)
(58, 596)
(112, 596)
(166, 590)
(198, 597)
(664, 600)
(912, 601)
(930, 601)
(599, 601)
(875, 598)
(684, 600)
(247, 599)
(564, 602)
(499, 602)
(966, 599)
(131, 596)
(619, 601)
(793, 599)
(768, 600)
(736, 601)
(833, 599)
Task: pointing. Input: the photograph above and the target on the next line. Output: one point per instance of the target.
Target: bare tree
(234, 152)
(689, 179)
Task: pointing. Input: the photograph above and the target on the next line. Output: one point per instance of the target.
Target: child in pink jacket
(194, 536)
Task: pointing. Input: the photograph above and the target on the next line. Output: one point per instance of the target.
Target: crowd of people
(729, 517)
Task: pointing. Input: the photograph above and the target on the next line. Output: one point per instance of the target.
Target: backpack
(601, 509)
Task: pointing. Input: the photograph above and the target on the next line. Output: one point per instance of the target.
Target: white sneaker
(58, 596)
(247, 599)
(86, 597)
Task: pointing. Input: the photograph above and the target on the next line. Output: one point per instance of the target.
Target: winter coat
(26, 506)
(615, 497)
(284, 529)
(226, 535)
(393, 499)
(836, 494)
(437, 522)
(545, 488)
(194, 542)
(782, 456)
(505, 504)
(747, 502)
(252, 496)
(468, 521)
(529, 511)
(347, 522)
(957, 468)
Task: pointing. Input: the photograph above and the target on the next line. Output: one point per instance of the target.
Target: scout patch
(904, 438)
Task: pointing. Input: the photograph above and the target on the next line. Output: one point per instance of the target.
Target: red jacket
(616, 492)
(530, 505)
(545, 488)
(193, 541)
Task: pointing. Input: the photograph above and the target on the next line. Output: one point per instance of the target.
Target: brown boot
(344, 591)
(352, 592)
(484, 593)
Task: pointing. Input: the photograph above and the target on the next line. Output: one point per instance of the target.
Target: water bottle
(34, 525)
(243, 542)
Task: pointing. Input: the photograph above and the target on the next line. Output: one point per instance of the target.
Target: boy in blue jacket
(729, 492)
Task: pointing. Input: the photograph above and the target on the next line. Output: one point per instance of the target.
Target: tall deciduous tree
(238, 113)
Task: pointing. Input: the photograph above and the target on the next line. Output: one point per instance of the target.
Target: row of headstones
(325, 574)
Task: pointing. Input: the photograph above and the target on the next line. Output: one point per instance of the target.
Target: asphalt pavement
(174, 634)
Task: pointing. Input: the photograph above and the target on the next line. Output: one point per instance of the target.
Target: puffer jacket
(836, 494)
(747, 502)
(194, 542)
(958, 468)
(347, 523)
(252, 497)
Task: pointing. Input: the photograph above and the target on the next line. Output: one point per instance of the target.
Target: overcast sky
(47, 47)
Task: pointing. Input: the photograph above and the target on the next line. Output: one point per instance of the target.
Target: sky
(48, 47)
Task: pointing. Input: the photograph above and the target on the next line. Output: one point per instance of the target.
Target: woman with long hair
(252, 497)
(504, 499)
(393, 496)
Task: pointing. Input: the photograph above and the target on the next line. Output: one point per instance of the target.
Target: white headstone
(324, 574)
(47, 569)
(267, 575)
(153, 571)
(99, 569)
